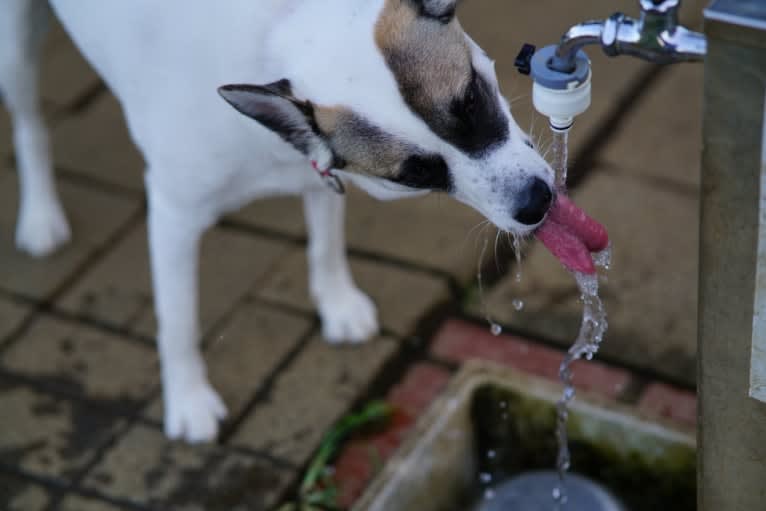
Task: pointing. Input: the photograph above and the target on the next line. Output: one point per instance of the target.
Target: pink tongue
(571, 235)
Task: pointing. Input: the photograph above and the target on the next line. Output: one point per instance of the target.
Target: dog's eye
(469, 103)
(428, 171)
(464, 108)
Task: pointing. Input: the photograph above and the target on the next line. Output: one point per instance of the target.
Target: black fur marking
(274, 106)
(425, 172)
(476, 122)
(442, 11)
(473, 122)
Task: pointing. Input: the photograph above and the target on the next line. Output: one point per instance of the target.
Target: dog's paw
(192, 413)
(347, 316)
(41, 228)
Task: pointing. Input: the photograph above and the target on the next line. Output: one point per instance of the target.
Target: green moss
(515, 434)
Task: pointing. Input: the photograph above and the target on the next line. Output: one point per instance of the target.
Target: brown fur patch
(431, 60)
(364, 147)
(432, 63)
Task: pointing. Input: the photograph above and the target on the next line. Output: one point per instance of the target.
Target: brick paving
(79, 388)
(459, 342)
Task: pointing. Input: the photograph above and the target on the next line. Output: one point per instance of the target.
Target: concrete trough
(494, 421)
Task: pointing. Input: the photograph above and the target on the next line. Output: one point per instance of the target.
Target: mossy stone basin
(493, 423)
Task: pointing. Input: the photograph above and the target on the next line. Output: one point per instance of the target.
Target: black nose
(534, 201)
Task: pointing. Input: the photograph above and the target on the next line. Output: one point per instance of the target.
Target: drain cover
(533, 491)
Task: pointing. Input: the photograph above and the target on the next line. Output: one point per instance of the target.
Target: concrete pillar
(732, 424)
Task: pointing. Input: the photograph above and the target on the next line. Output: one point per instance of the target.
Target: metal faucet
(656, 36)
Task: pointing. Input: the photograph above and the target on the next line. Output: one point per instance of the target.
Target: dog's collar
(329, 178)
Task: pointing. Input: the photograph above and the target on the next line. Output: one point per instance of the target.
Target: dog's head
(395, 97)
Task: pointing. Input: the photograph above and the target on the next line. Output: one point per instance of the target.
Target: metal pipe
(656, 36)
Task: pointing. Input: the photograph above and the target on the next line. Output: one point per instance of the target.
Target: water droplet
(518, 304)
(489, 494)
(491, 454)
(496, 329)
(485, 477)
(557, 493)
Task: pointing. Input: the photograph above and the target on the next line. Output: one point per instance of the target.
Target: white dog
(389, 95)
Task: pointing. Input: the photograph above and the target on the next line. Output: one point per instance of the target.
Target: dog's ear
(275, 107)
(440, 10)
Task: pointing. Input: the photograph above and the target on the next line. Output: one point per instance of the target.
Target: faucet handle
(659, 6)
(660, 14)
(523, 60)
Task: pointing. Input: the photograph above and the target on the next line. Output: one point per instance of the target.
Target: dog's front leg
(347, 314)
(192, 407)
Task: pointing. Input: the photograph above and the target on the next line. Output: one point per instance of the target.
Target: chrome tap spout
(657, 36)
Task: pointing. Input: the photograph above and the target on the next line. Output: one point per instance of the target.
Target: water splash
(592, 329)
(518, 304)
(603, 259)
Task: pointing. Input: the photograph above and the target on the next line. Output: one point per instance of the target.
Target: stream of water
(592, 328)
(559, 157)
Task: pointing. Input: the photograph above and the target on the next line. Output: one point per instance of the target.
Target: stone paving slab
(662, 140)
(651, 293)
(95, 143)
(65, 74)
(144, 468)
(18, 494)
(117, 290)
(246, 351)
(93, 217)
(310, 395)
(77, 503)
(46, 435)
(402, 296)
(86, 362)
(11, 316)
(429, 231)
